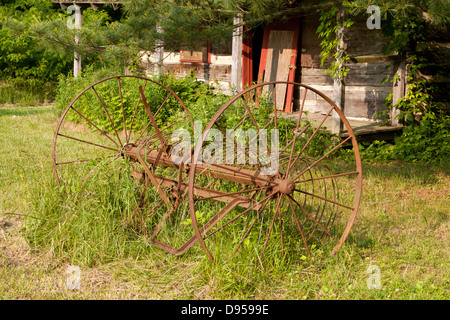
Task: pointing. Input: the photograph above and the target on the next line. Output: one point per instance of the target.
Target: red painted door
(278, 60)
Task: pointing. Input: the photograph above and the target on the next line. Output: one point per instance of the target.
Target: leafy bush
(427, 141)
(26, 91)
(28, 68)
(196, 95)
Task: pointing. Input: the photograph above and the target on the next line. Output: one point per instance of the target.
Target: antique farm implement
(253, 179)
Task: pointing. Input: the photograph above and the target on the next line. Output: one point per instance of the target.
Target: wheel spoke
(312, 136)
(254, 123)
(251, 226)
(107, 113)
(152, 118)
(271, 226)
(90, 122)
(121, 105)
(324, 199)
(84, 141)
(298, 225)
(301, 110)
(134, 114)
(296, 133)
(281, 228)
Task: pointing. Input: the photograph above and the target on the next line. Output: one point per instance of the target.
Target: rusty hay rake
(253, 178)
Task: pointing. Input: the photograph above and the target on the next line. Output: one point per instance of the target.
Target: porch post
(76, 54)
(339, 85)
(159, 52)
(236, 67)
(398, 91)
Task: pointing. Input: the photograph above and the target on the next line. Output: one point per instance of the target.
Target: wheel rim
(323, 191)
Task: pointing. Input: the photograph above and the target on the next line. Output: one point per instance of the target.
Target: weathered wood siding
(366, 87)
(213, 67)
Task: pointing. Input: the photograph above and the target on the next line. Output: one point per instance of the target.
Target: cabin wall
(366, 87)
(212, 66)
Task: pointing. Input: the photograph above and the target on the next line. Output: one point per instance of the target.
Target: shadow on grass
(19, 112)
(421, 172)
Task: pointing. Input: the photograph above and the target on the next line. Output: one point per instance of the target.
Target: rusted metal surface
(303, 193)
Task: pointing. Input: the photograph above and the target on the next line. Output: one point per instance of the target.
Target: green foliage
(22, 56)
(329, 32)
(28, 68)
(427, 141)
(197, 96)
(25, 92)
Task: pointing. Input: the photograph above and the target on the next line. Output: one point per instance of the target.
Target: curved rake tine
(239, 215)
(298, 225)
(328, 177)
(324, 199)
(323, 157)
(311, 217)
(251, 226)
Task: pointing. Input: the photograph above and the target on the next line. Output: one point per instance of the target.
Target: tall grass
(86, 224)
(26, 92)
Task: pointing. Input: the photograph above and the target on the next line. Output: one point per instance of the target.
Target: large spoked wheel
(126, 123)
(284, 183)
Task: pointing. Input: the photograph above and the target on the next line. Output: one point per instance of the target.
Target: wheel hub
(286, 186)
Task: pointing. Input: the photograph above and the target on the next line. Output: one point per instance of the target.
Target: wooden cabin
(291, 51)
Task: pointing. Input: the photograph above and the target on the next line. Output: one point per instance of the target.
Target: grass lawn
(399, 247)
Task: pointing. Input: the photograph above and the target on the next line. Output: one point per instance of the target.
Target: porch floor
(367, 130)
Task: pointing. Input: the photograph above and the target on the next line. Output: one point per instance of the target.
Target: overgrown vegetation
(410, 29)
(402, 227)
(195, 94)
(28, 69)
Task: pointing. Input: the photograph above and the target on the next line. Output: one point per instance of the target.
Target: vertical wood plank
(339, 86)
(76, 54)
(279, 53)
(236, 54)
(159, 52)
